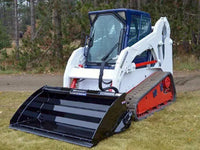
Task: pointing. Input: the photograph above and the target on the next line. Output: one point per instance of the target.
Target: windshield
(105, 35)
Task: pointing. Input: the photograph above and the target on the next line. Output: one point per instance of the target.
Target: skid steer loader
(124, 72)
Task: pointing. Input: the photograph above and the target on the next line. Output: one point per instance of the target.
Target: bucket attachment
(72, 115)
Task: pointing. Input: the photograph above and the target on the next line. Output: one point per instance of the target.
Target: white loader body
(125, 75)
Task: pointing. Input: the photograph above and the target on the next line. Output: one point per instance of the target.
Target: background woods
(42, 33)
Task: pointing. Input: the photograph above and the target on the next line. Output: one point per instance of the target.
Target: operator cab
(113, 30)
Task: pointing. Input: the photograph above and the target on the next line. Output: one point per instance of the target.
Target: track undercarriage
(151, 95)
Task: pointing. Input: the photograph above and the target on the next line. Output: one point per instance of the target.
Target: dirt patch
(187, 81)
(184, 81)
(28, 82)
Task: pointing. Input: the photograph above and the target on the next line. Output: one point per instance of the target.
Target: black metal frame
(75, 116)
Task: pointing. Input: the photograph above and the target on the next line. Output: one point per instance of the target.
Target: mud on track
(184, 81)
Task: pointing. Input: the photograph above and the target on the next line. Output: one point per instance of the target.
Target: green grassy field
(176, 127)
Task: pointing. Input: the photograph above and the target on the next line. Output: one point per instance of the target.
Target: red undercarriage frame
(157, 98)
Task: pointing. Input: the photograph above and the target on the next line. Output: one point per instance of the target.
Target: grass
(175, 127)
(9, 71)
(186, 63)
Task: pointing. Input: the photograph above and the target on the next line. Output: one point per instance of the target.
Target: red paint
(149, 103)
(145, 63)
(73, 84)
(80, 65)
(166, 82)
(74, 81)
(110, 90)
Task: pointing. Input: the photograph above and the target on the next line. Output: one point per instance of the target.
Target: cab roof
(127, 13)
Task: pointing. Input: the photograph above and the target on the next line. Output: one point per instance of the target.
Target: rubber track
(135, 95)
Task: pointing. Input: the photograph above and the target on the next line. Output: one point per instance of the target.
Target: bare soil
(187, 81)
(184, 81)
(29, 82)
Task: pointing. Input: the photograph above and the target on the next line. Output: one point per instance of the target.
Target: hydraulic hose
(101, 79)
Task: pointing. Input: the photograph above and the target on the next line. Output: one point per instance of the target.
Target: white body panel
(125, 76)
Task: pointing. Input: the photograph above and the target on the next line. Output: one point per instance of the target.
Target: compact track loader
(124, 72)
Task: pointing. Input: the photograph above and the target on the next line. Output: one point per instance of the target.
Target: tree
(16, 28)
(63, 24)
(4, 37)
(57, 33)
(198, 38)
(138, 4)
(32, 7)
